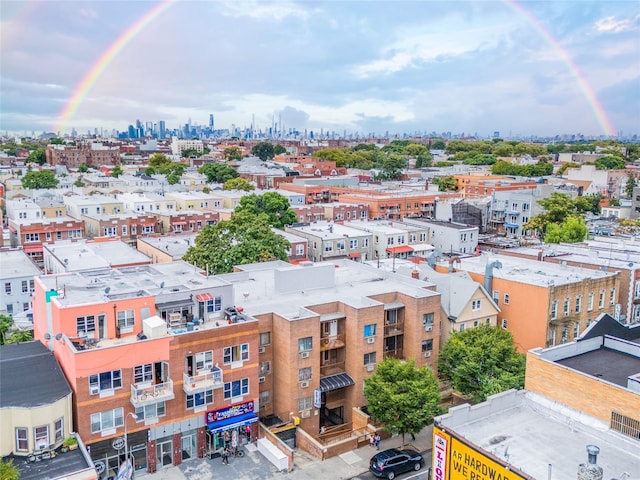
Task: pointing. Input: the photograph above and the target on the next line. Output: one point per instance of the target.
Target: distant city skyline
(529, 68)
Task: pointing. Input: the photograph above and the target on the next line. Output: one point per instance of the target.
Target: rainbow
(585, 86)
(90, 78)
(98, 68)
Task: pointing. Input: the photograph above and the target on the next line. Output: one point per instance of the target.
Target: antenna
(107, 290)
(161, 284)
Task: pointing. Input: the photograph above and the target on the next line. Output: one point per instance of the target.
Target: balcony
(394, 353)
(392, 329)
(145, 394)
(332, 341)
(202, 381)
(328, 369)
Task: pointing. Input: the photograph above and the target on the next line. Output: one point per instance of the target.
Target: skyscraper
(162, 129)
(211, 121)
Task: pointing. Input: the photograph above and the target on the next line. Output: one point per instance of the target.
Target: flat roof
(83, 255)
(611, 365)
(596, 255)
(17, 264)
(329, 231)
(61, 466)
(174, 245)
(533, 433)
(533, 272)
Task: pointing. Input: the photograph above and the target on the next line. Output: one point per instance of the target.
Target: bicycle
(151, 394)
(236, 452)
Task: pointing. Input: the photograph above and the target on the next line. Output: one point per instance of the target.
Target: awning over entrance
(400, 249)
(334, 382)
(354, 254)
(174, 304)
(232, 422)
(204, 297)
(511, 225)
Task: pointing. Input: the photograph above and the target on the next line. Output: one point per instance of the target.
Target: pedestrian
(372, 441)
(377, 441)
(225, 456)
(248, 433)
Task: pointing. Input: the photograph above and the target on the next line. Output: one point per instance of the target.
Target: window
(85, 324)
(496, 296)
(25, 286)
(204, 360)
(105, 381)
(353, 244)
(475, 305)
(565, 309)
(505, 299)
(576, 330)
(110, 231)
(554, 309)
(7, 288)
(31, 237)
(427, 319)
(107, 420)
(304, 374)
(370, 330)
(41, 437)
(124, 229)
(340, 244)
(265, 339)
(31, 286)
(612, 298)
(305, 403)
(462, 326)
(328, 246)
(22, 440)
(264, 368)
(214, 305)
(578, 303)
(299, 249)
(147, 229)
(637, 290)
(126, 319)
(590, 304)
(199, 399)
(370, 358)
(365, 242)
(601, 299)
(389, 240)
(304, 344)
(265, 397)
(427, 345)
(143, 373)
(504, 323)
(236, 353)
(58, 430)
(236, 388)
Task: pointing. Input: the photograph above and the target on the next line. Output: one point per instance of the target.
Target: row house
(51, 208)
(79, 205)
(89, 154)
(165, 248)
(328, 240)
(449, 237)
(145, 202)
(16, 277)
(186, 221)
(312, 193)
(345, 212)
(149, 351)
(229, 199)
(542, 304)
(309, 213)
(324, 327)
(298, 250)
(395, 239)
(194, 200)
(32, 235)
(398, 205)
(126, 226)
(23, 208)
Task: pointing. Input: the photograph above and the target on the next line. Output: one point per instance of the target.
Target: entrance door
(102, 334)
(163, 452)
(189, 446)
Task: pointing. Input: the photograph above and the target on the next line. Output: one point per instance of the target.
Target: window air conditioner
(304, 354)
(370, 368)
(428, 328)
(94, 390)
(304, 384)
(260, 349)
(305, 413)
(371, 339)
(427, 354)
(261, 379)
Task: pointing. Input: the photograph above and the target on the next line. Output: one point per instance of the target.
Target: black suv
(391, 462)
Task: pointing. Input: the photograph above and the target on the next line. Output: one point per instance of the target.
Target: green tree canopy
(232, 153)
(572, 230)
(404, 398)
(446, 183)
(279, 149)
(6, 322)
(37, 156)
(482, 361)
(163, 165)
(558, 207)
(415, 149)
(20, 336)
(39, 179)
(245, 238)
(218, 172)
(424, 160)
(630, 185)
(116, 171)
(438, 145)
(274, 205)
(263, 150)
(8, 471)
(392, 167)
(396, 146)
(238, 184)
(610, 162)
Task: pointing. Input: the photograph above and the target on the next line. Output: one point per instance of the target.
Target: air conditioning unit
(260, 349)
(261, 379)
(304, 354)
(427, 354)
(370, 368)
(305, 413)
(304, 384)
(94, 389)
(428, 328)
(371, 339)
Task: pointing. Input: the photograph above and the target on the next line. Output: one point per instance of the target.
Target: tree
(245, 238)
(238, 184)
(438, 145)
(630, 185)
(116, 171)
(6, 322)
(566, 166)
(559, 207)
(232, 153)
(274, 205)
(83, 168)
(263, 150)
(482, 361)
(78, 183)
(446, 183)
(610, 162)
(218, 172)
(279, 149)
(8, 471)
(392, 167)
(572, 230)
(20, 336)
(37, 156)
(158, 160)
(404, 398)
(39, 179)
(424, 160)
(415, 149)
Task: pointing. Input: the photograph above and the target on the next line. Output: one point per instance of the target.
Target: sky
(368, 66)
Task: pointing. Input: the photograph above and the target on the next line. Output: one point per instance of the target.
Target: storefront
(107, 455)
(174, 443)
(228, 426)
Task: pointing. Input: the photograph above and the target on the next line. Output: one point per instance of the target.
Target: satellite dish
(107, 290)
(58, 336)
(47, 336)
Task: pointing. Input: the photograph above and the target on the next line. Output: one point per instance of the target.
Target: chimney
(415, 274)
(591, 470)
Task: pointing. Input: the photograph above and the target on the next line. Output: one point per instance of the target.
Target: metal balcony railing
(144, 394)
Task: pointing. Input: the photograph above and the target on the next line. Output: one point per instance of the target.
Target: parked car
(389, 463)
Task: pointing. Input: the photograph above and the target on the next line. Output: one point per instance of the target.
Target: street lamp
(125, 473)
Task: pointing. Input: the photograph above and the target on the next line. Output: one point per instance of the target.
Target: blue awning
(513, 225)
(228, 423)
(334, 382)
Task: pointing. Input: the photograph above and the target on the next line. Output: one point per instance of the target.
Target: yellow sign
(455, 460)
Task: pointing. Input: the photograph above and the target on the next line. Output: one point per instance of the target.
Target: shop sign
(118, 443)
(440, 454)
(229, 412)
(317, 398)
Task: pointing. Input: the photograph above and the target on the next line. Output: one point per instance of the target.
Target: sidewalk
(254, 466)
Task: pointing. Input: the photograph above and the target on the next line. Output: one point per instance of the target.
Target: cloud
(615, 25)
(293, 116)
(88, 13)
(263, 10)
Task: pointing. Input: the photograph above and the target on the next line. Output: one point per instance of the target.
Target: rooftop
(329, 230)
(61, 466)
(16, 264)
(84, 255)
(610, 365)
(174, 245)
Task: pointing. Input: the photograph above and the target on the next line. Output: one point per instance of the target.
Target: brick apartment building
(127, 226)
(33, 234)
(74, 156)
